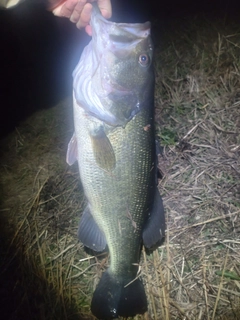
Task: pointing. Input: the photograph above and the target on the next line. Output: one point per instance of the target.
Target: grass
(195, 273)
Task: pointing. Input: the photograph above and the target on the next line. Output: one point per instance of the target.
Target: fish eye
(143, 59)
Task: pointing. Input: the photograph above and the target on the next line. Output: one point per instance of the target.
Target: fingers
(88, 29)
(67, 7)
(79, 11)
(105, 7)
(106, 10)
(81, 15)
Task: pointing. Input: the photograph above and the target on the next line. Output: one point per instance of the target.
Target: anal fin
(89, 232)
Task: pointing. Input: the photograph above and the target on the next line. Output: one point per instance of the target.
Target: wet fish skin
(114, 143)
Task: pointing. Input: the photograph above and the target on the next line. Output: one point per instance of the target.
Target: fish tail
(112, 298)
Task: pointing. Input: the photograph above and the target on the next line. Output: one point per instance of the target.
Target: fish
(115, 145)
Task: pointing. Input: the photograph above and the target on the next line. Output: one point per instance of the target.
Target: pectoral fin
(89, 233)
(154, 230)
(102, 149)
(72, 150)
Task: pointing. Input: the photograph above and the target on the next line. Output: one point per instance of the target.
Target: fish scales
(114, 144)
(120, 199)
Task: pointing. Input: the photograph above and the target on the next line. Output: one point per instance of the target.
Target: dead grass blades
(195, 274)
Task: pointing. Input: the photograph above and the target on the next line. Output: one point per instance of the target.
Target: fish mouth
(121, 30)
(116, 36)
(116, 44)
(104, 84)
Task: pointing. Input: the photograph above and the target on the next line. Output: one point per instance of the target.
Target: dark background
(39, 51)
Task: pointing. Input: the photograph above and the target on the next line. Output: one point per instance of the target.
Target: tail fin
(112, 299)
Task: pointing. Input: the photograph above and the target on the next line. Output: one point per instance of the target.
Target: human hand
(79, 11)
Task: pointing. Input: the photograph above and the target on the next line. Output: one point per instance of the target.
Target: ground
(195, 274)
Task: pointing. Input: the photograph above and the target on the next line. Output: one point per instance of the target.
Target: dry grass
(195, 274)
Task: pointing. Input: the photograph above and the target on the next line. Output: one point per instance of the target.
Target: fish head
(119, 69)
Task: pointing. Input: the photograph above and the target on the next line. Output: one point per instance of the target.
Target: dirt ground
(195, 274)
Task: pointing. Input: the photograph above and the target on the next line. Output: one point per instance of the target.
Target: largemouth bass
(114, 143)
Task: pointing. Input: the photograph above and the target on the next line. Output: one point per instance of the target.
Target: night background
(39, 51)
(44, 272)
